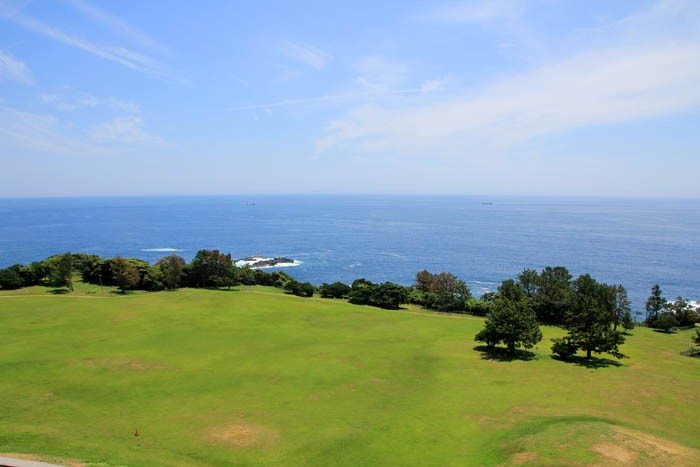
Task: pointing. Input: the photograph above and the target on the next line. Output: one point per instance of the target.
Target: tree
(154, 279)
(211, 268)
(334, 290)
(665, 321)
(553, 298)
(510, 290)
(173, 267)
(442, 292)
(614, 299)
(589, 321)
(528, 280)
(10, 279)
(685, 313)
(61, 273)
(388, 295)
(125, 274)
(512, 322)
(655, 305)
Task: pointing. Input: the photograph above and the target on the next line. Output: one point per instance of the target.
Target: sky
(500, 97)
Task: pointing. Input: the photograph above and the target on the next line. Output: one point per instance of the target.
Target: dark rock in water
(256, 262)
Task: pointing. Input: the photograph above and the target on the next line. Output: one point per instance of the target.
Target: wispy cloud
(642, 76)
(41, 134)
(14, 70)
(126, 130)
(379, 73)
(117, 25)
(425, 88)
(70, 102)
(117, 54)
(306, 54)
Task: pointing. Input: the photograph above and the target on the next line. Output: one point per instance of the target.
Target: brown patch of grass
(616, 452)
(631, 447)
(241, 435)
(523, 458)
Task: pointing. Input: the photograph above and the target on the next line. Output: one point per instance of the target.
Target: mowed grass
(255, 377)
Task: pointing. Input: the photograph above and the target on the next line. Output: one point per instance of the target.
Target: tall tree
(173, 267)
(655, 305)
(125, 274)
(553, 298)
(512, 322)
(61, 274)
(589, 321)
(528, 280)
(211, 268)
(684, 312)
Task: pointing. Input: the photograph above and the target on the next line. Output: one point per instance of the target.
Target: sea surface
(483, 240)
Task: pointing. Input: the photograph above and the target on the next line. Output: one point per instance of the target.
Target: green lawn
(256, 377)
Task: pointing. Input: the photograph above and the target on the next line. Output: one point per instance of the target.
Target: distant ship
(487, 203)
(250, 204)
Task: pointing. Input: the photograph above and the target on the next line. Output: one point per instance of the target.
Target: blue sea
(482, 240)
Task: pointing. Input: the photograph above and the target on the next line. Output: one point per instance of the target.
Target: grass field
(256, 377)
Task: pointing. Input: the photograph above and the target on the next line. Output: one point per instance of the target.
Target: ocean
(483, 240)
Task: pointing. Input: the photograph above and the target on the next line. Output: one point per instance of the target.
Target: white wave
(161, 249)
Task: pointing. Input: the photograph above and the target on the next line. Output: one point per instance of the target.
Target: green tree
(211, 268)
(528, 280)
(172, 267)
(125, 274)
(154, 279)
(665, 321)
(10, 278)
(655, 304)
(334, 290)
(589, 321)
(512, 322)
(554, 295)
(61, 273)
(685, 313)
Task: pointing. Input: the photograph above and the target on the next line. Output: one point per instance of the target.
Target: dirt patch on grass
(241, 435)
(523, 458)
(616, 452)
(631, 447)
(48, 459)
(122, 363)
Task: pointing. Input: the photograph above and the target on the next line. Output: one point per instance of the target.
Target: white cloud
(120, 55)
(380, 74)
(116, 24)
(39, 133)
(306, 54)
(14, 70)
(591, 89)
(635, 79)
(69, 102)
(124, 130)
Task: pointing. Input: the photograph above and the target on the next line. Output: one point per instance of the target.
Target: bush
(563, 348)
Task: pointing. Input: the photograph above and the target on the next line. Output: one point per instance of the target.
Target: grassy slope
(244, 377)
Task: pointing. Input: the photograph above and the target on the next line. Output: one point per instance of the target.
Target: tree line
(594, 314)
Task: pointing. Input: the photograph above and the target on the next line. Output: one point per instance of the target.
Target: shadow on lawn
(592, 363)
(58, 291)
(501, 354)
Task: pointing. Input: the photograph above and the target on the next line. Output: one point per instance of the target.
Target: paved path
(12, 462)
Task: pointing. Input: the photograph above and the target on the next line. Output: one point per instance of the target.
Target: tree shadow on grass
(58, 291)
(501, 354)
(592, 363)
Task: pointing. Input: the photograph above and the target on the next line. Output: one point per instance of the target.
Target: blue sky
(542, 97)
